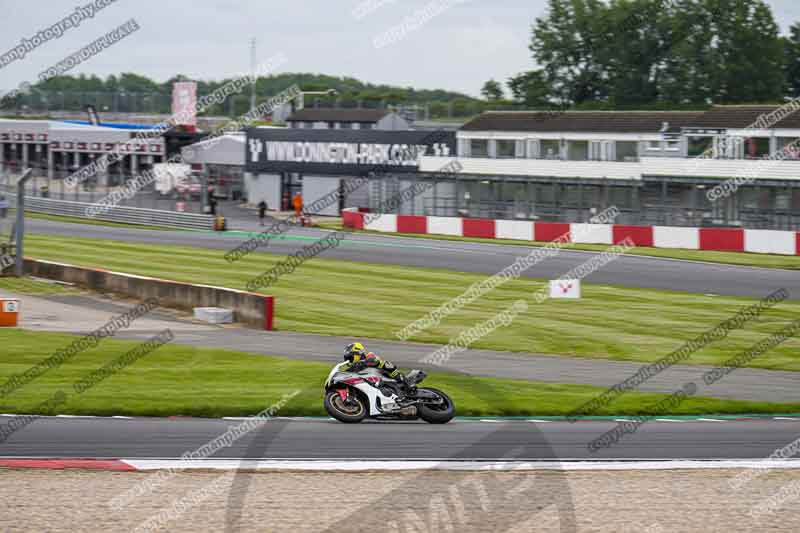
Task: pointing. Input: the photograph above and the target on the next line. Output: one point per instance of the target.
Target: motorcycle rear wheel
(343, 412)
(437, 414)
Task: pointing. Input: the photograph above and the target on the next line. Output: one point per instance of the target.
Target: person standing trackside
(262, 212)
(297, 203)
(212, 202)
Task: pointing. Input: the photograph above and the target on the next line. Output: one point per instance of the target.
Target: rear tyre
(437, 414)
(343, 412)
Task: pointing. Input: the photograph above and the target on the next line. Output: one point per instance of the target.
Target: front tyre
(349, 413)
(438, 413)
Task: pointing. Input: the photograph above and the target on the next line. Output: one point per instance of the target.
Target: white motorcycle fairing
(366, 381)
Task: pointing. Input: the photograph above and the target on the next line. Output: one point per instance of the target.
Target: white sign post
(565, 288)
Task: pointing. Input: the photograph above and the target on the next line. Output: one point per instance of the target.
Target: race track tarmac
(459, 440)
(626, 271)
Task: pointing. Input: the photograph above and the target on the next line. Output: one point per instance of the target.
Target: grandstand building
(55, 149)
(656, 167)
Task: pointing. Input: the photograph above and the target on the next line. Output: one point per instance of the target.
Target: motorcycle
(350, 397)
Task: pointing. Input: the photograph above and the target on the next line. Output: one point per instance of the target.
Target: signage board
(184, 103)
(565, 288)
(342, 152)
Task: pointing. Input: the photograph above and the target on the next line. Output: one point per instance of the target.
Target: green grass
(89, 221)
(35, 287)
(182, 380)
(790, 262)
(363, 300)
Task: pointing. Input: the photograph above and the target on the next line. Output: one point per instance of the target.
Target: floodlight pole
(21, 221)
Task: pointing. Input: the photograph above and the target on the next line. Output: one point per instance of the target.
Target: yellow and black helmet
(354, 351)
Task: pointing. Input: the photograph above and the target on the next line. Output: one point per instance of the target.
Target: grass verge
(89, 221)
(35, 287)
(788, 262)
(366, 300)
(203, 382)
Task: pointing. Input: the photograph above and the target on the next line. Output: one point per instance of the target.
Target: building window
(654, 145)
(345, 126)
(673, 146)
(627, 151)
(479, 148)
(578, 150)
(699, 146)
(550, 149)
(367, 126)
(505, 149)
(756, 147)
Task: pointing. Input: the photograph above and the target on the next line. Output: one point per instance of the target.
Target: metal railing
(121, 214)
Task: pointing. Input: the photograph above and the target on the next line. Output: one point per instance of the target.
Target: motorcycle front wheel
(349, 413)
(437, 413)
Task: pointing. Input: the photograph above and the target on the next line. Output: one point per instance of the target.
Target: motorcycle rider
(360, 359)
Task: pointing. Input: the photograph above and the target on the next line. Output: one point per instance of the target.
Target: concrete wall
(265, 187)
(255, 310)
(316, 187)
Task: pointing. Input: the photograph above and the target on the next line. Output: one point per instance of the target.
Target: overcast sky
(459, 49)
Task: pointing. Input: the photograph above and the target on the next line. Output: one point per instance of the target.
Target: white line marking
(709, 420)
(539, 421)
(356, 465)
(489, 420)
(123, 417)
(668, 420)
(784, 418)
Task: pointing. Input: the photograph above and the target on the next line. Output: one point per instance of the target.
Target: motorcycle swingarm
(424, 395)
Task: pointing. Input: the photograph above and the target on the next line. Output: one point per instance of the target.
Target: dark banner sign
(347, 152)
(704, 131)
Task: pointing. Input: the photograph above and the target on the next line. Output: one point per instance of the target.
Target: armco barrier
(726, 240)
(351, 218)
(124, 214)
(412, 224)
(722, 239)
(477, 227)
(638, 235)
(446, 226)
(675, 237)
(550, 231)
(256, 310)
(764, 241)
(520, 230)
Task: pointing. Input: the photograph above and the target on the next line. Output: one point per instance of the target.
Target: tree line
(656, 54)
(350, 91)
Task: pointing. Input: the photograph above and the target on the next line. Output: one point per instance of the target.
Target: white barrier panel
(380, 222)
(592, 233)
(214, 315)
(671, 237)
(521, 230)
(445, 226)
(565, 288)
(764, 241)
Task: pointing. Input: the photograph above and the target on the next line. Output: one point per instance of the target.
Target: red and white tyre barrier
(720, 239)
